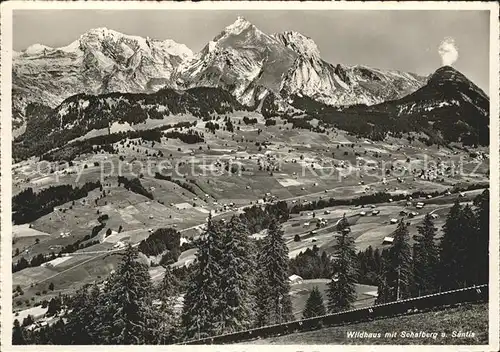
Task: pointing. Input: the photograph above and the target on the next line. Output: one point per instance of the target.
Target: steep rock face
(310, 75)
(242, 60)
(340, 85)
(100, 61)
(249, 63)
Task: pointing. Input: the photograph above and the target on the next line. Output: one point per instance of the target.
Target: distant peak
(238, 26)
(298, 43)
(446, 68)
(292, 34)
(242, 20)
(101, 32)
(101, 29)
(446, 73)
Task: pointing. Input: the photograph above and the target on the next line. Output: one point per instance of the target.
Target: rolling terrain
(122, 139)
(304, 166)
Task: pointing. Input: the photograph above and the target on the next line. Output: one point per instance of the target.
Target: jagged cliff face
(242, 59)
(340, 84)
(100, 61)
(250, 63)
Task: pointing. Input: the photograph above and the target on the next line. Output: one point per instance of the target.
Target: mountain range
(100, 61)
(105, 76)
(241, 59)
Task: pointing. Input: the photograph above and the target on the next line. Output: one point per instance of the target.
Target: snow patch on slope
(37, 49)
(238, 26)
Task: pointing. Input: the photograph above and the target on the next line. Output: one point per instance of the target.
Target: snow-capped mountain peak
(299, 43)
(238, 26)
(101, 60)
(173, 48)
(241, 59)
(102, 32)
(99, 37)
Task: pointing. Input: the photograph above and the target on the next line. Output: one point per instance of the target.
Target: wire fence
(386, 310)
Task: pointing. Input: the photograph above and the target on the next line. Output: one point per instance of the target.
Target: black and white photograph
(196, 175)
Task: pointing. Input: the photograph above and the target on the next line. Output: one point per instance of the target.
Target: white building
(388, 240)
(295, 279)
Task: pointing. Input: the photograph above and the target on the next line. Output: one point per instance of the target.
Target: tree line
(105, 142)
(45, 134)
(27, 205)
(134, 185)
(379, 197)
(190, 187)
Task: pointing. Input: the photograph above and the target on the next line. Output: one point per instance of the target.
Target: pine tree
(342, 224)
(342, 287)
(127, 313)
(470, 237)
(479, 245)
(169, 286)
(54, 306)
(273, 300)
(425, 258)
(58, 334)
(383, 290)
(397, 277)
(18, 334)
(80, 323)
(399, 268)
(314, 305)
(377, 260)
(168, 292)
(28, 320)
(237, 268)
(259, 292)
(201, 312)
(452, 250)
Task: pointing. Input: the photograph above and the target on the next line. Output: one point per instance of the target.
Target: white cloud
(448, 51)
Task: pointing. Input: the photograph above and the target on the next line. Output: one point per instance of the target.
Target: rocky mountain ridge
(242, 60)
(100, 61)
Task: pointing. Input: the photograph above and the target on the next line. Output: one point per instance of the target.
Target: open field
(469, 318)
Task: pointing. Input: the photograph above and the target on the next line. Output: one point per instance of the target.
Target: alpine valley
(162, 195)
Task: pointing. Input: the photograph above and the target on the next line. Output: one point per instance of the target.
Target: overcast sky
(399, 40)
